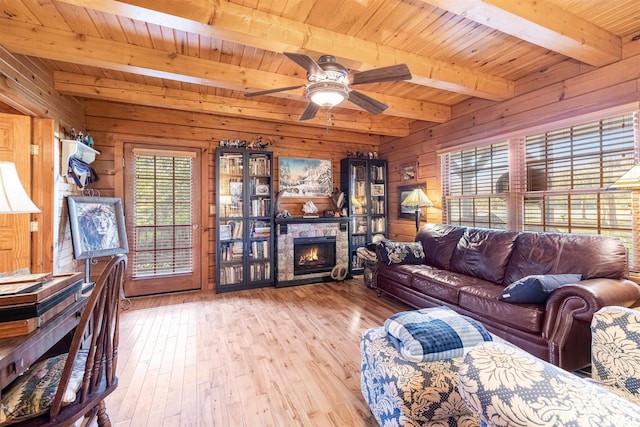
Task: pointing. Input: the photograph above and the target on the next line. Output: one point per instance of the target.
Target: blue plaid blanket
(434, 334)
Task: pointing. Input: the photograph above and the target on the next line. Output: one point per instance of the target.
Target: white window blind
(476, 186)
(572, 168)
(558, 181)
(163, 213)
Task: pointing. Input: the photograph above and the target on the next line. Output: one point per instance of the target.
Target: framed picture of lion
(97, 226)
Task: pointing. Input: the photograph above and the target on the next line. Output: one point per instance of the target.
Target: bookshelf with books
(244, 219)
(364, 183)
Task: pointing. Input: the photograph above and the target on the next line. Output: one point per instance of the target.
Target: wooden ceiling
(203, 55)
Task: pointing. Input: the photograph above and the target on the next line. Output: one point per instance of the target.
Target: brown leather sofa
(466, 269)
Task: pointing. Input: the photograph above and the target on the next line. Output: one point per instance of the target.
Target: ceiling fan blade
(366, 102)
(310, 112)
(268, 91)
(306, 62)
(391, 73)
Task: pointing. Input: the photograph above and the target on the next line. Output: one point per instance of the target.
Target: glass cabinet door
(377, 175)
(231, 225)
(364, 181)
(260, 214)
(244, 219)
(358, 188)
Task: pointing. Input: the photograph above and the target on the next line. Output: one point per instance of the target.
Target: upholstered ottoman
(403, 393)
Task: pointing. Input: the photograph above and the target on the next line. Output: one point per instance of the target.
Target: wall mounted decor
(408, 171)
(305, 177)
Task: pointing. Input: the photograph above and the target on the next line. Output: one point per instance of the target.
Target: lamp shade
(629, 181)
(417, 199)
(13, 197)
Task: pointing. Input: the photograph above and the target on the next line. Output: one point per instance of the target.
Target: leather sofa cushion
(442, 284)
(483, 253)
(439, 242)
(482, 301)
(400, 273)
(556, 253)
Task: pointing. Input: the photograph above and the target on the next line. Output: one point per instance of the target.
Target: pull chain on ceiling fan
(329, 84)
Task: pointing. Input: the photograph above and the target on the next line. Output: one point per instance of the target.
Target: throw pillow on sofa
(535, 289)
(433, 334)
(401, 252)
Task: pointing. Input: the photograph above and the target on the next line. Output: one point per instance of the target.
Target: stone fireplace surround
(287, 229)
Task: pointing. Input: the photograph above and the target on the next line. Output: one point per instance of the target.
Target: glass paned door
(163, 206)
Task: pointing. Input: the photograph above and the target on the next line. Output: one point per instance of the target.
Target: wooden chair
(85, 375)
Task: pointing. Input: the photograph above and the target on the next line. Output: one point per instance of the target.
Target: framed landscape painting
(305, 177)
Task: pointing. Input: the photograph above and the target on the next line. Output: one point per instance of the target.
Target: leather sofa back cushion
(439, 241)
(483, 253)
(557, 253)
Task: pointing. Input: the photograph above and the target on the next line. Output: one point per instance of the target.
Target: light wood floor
(265, 357)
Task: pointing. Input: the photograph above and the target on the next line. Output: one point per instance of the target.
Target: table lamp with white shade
(417, 200)
(13, 198)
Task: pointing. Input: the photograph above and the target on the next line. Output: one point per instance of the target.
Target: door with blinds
(162, 204)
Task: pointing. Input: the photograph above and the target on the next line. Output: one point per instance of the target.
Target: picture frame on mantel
(405, 212)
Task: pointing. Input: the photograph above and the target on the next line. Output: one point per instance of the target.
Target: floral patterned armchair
(505, 386)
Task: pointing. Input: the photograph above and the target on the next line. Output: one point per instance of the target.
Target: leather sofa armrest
(590, 295)
(568, 313)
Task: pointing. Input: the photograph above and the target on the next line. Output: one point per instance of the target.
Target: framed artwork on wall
(305, 177)
(97, 226)
(408, 171)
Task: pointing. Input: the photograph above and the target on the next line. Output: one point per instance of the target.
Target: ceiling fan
(329, 84)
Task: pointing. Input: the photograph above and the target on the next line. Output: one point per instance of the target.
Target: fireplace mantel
(301, 220)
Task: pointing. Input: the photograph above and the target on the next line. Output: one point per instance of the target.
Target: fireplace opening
(314, 254)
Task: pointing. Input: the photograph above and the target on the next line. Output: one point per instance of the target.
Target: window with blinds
(575, 166)
(475, 184)
(163, 213)
(559, 182)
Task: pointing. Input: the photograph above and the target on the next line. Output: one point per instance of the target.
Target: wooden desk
(19, 353)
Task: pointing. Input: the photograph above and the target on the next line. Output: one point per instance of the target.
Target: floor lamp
(417, 200)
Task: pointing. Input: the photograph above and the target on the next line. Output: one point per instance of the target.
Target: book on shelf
(231, 274)
(260, 271)
(261, 207)
(260, 249)
(231, 164)
(377, 173)
(260, 165)
(237, 251)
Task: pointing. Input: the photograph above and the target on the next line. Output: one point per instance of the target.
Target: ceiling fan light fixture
(327, 94)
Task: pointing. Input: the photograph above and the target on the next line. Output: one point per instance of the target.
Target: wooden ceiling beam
(543, 24)
(67, 46)
(121, 91)
(239, 24)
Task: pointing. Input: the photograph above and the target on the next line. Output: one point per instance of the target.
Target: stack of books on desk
(27, 302)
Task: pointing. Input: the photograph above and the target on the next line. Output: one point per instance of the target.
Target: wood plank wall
(26, 88)
(110, 124)
(559, 94)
